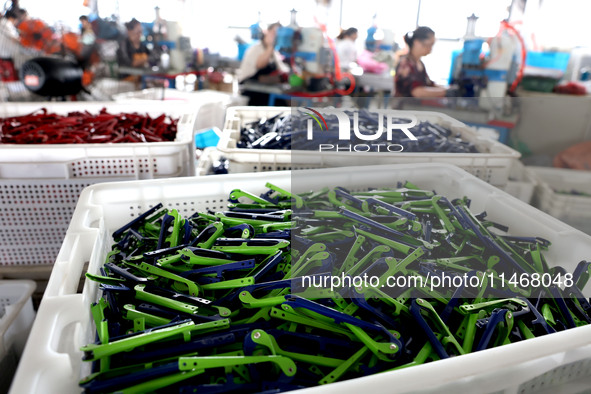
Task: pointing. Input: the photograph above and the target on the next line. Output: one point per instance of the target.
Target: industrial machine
(488, 75)
(311, 55)
(304, 47)
(52, 77)
(379, 39)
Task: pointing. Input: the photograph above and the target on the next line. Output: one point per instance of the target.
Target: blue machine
(370, 41)
(285, 37)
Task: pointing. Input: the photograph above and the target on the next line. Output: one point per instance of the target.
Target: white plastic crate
(212, 104)
(68, 161)
(521, 183)
(52, 362)
(552, 195)
(16, 319)
(102, 89)
(40, 184)
(492, 165)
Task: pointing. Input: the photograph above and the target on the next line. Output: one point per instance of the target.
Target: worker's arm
(428, 91)
(123, 55)
(265, 57)
(140, 60)
(269, 46)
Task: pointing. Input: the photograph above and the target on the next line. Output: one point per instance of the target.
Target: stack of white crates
(52, 361)
(40, 184)
(564, 194)
(492, 164)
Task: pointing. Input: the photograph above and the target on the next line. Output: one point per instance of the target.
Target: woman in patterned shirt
(411, 79)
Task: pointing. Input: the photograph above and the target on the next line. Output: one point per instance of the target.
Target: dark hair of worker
(420, 33)
(132, 24)
(347, 33)
(11, 14)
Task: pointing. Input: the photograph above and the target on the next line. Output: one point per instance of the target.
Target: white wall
(557, 23)
(64, 12)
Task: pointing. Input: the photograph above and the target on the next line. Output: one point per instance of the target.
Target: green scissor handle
(131, 314)
(373, 255)
(142, 295)
(385, 298)
(108, 280)
(244, 248)
(261, 314)
(232, 206)
(447, 338)
(299, 202)
(237, 193)
(314, 248)
(527, 333)
(548, 315)
(332, 198)
(248, 301)
(98, 313)
(219, 230)
(260, 337)
(175, 235)
(350, 259)
(298, 268)
(256, 223)
(383, 350)
(505, 330)
(475, 308)
(286, 365)
(442, 215)
(470, 334)
(336, 374)
(287, 313)
(126, 370)
(278, 226)
(386, 241)
(188, 257)
(422, 356)
(229, 284)
(155, 270)
(94, 352)
(402, 265)
(331, 235)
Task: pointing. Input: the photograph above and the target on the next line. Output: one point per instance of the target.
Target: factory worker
(132, 52)
(411, 79)
(262, 64)
(346, 49)
(8, 33)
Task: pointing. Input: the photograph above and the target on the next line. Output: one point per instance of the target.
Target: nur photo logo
(380, 139)
(317, 117)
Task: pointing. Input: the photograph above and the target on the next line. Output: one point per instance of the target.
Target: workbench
(380, 84)
(476, 117)
(151, 74)
(276, 92)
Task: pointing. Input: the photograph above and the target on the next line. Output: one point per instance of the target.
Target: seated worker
(88, 41)
(132, 52)
(263, 64)
(411, 79)
(8, 31)
(9, 45)
(346, 49)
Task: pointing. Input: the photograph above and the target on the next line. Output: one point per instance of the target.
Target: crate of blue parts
(257, 139)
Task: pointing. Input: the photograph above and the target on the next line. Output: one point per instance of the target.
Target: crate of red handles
(40, 183)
